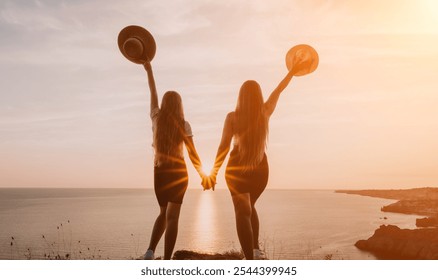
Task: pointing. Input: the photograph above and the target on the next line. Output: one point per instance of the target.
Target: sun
(207, 167)
(431, 4)
(430, 11)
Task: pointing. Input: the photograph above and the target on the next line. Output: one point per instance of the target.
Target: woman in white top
(247, 170)
(170, 132)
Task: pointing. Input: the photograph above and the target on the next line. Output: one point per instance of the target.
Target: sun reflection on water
(206, 222)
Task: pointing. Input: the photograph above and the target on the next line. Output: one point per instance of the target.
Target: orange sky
(74, 112)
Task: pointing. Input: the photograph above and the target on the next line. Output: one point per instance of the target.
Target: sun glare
(206, 167)
(430, 11)
(431, 4)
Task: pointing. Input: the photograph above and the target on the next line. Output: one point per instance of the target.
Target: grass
(64, 248)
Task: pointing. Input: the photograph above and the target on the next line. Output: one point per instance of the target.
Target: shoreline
(391, 242)
(418, 201)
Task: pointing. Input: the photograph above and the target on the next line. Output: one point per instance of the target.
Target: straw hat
(136, 44)
(302, 53)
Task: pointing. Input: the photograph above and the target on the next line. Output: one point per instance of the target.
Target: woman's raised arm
(271, 103)
(154, 97)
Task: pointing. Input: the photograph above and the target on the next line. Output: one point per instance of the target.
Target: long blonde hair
(169, 131)
(251, 124)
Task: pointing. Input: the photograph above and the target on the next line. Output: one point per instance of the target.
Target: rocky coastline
(391, 242)
(420, 201)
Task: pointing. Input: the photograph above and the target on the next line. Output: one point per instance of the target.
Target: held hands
(208, 182)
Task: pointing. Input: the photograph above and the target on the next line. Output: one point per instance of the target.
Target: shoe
(259, 255)
(149, 255)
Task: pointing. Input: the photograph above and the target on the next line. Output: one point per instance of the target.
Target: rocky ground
(190, 255)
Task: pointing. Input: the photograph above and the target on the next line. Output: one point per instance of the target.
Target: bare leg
(242, 209)
(158, 230)
(255, 227)
(172, 218)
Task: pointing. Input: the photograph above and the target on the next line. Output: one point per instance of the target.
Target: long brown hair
(169, 131)
(251, 124)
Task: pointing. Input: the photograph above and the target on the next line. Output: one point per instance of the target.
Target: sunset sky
(75, 113)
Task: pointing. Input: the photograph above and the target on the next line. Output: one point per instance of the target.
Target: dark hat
(302, 53)
(136, 44)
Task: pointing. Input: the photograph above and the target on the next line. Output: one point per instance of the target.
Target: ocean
(38, 223)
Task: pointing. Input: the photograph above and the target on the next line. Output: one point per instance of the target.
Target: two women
(246, 172)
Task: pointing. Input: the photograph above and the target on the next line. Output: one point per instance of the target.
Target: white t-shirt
(187, 129)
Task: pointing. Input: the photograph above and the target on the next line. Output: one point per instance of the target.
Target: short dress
(240, 180)
(252, 181)
(170, 178)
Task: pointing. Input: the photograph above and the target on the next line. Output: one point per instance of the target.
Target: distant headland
(391, 242)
